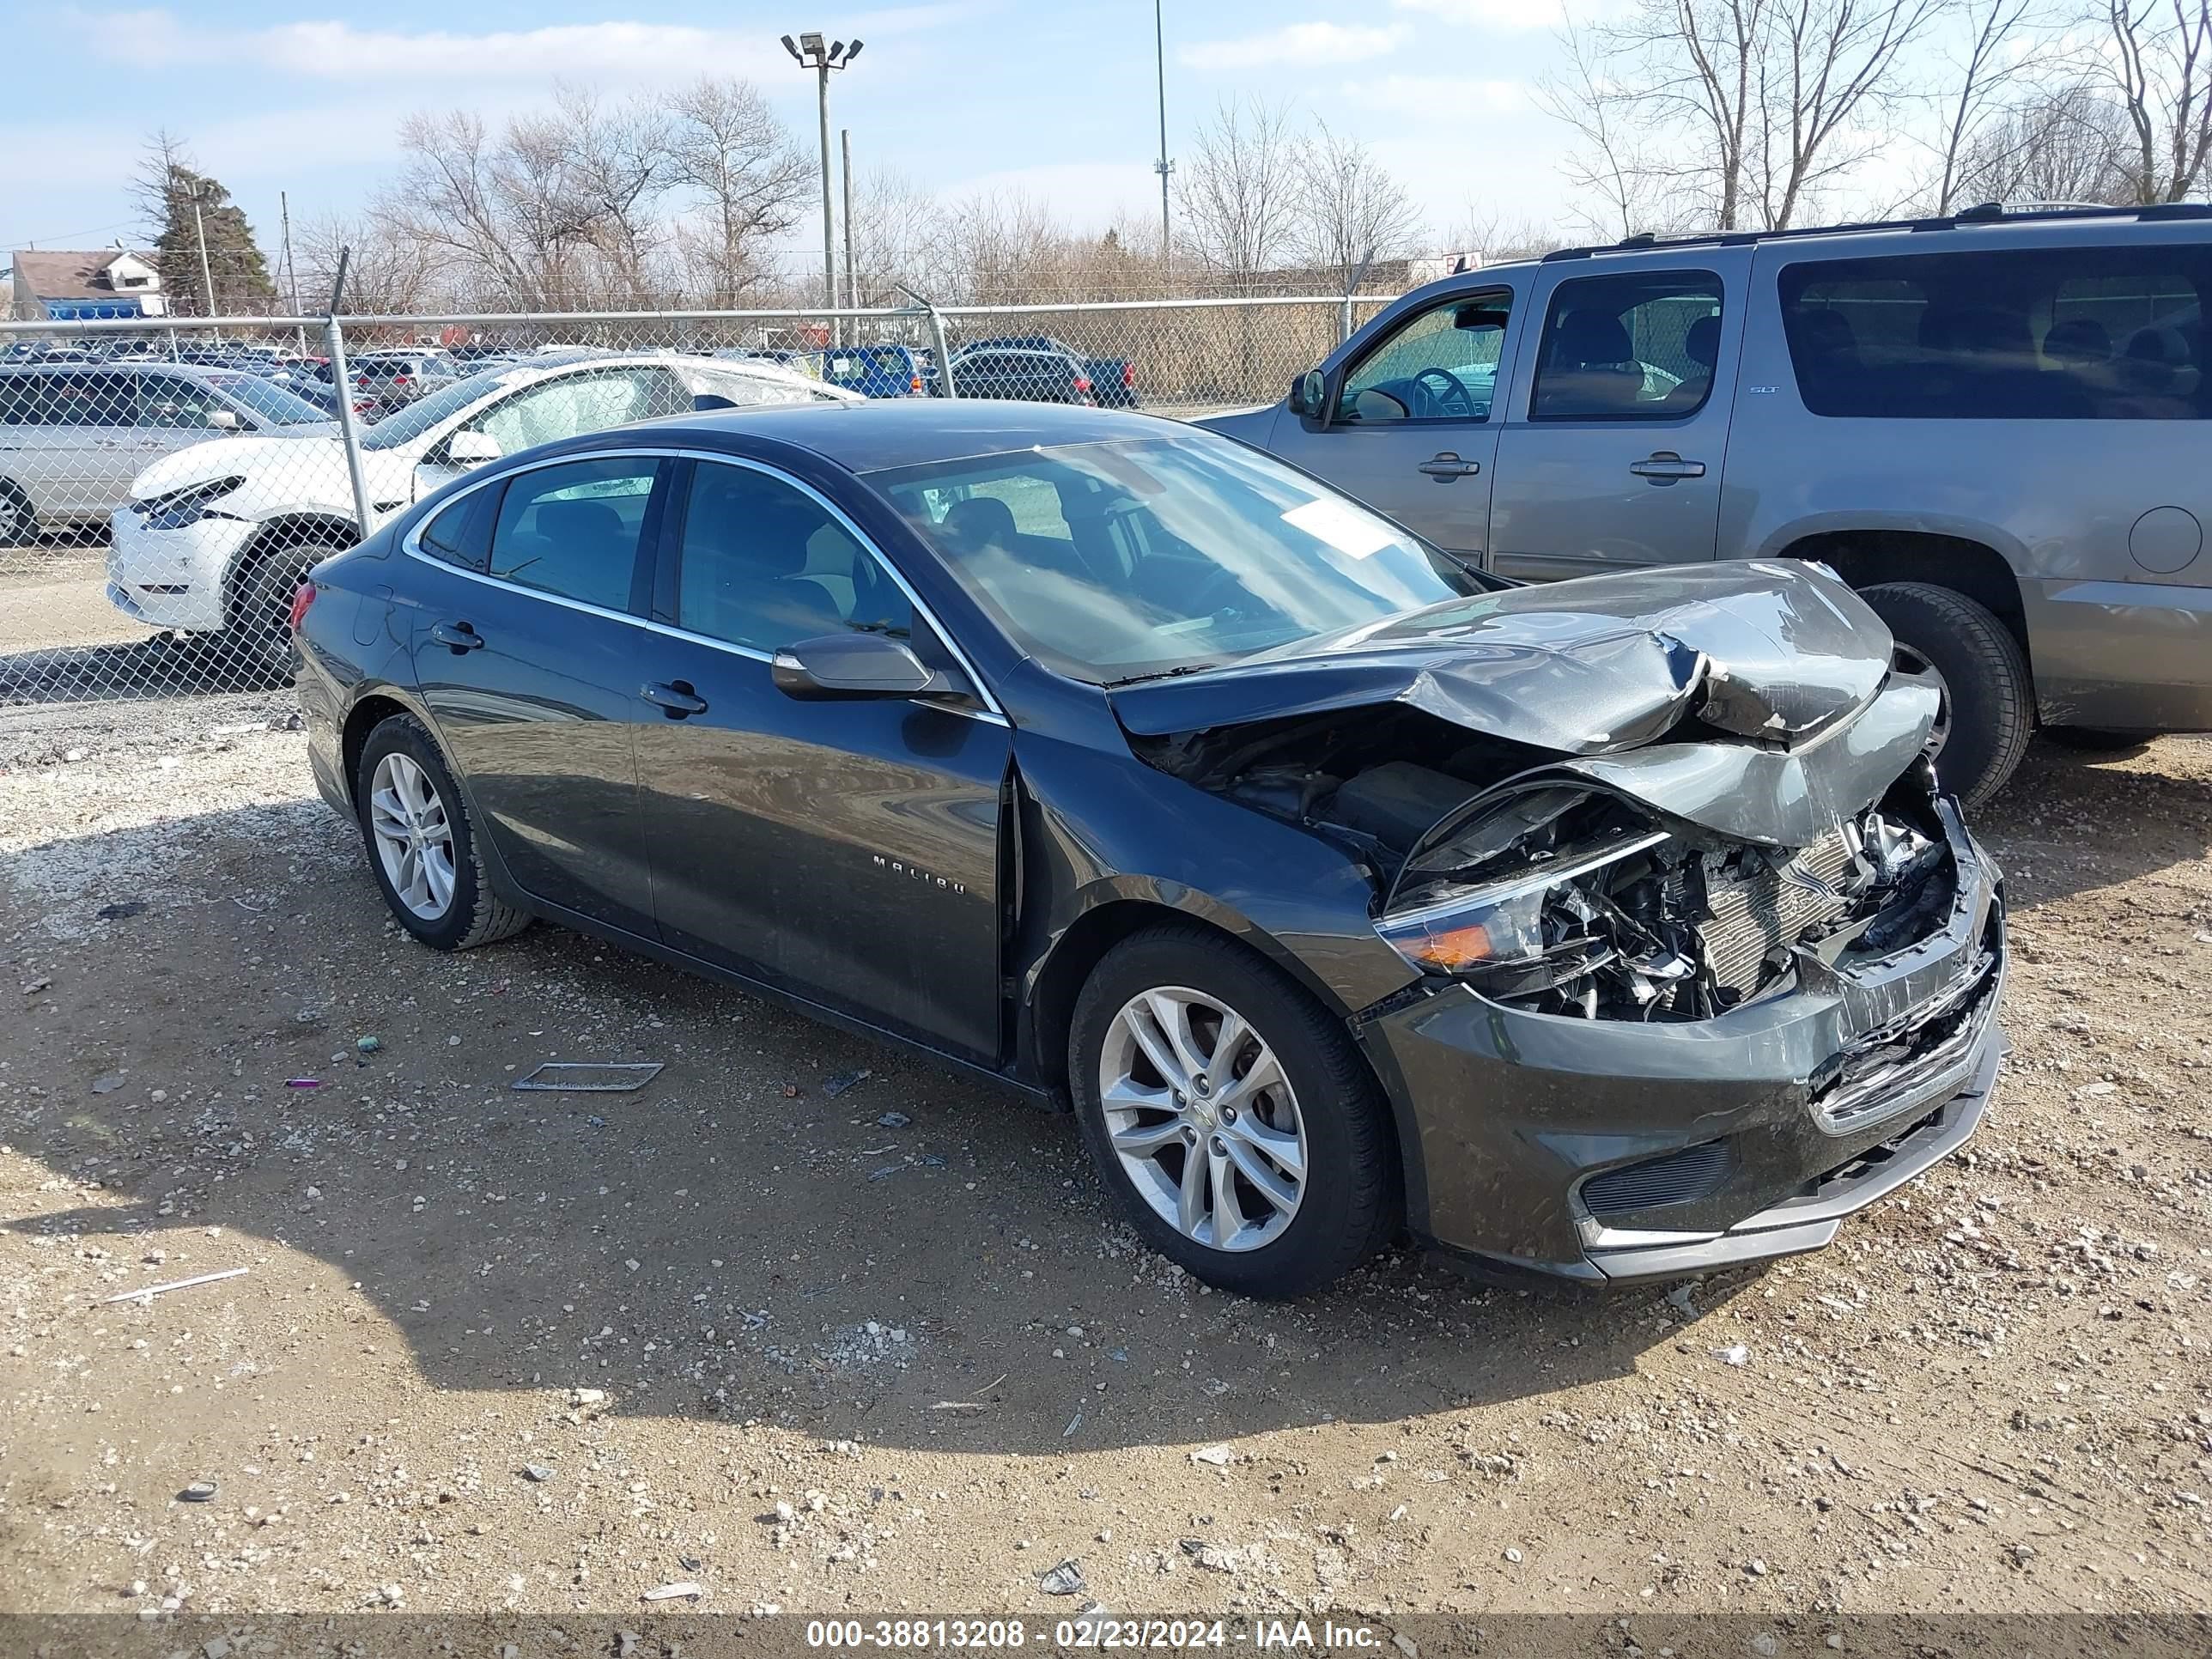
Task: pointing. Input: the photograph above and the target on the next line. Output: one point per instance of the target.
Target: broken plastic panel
(590, 1077)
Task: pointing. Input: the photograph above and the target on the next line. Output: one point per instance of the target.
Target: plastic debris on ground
(590, 1077)
(1066, 1579)
(844, 1080)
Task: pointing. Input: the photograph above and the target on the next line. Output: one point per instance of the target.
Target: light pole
(809, 52)
(1163, 166)
(199, 230)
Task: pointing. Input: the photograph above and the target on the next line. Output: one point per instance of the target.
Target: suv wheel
(1231, 1115)
(421, 845)
(1988, 711)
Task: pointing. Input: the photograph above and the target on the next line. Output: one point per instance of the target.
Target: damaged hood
(1599, 669)
(1587, 667)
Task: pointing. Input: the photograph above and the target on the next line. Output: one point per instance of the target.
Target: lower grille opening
(1681, 1178)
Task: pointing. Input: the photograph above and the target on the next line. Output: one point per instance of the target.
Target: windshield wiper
(1176, 672)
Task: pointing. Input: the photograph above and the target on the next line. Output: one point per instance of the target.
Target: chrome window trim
(992, 712)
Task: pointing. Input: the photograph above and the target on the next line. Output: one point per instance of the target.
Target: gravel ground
(818, 1328)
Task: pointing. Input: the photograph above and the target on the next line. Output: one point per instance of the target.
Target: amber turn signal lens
(1458, 948)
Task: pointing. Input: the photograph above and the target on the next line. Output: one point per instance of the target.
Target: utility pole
(291, 271)
(1163, 166)
(200, 229)
(809, 52)
(852, 275)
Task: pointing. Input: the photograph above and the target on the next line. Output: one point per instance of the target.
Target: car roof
(121, 365)
(874, 435)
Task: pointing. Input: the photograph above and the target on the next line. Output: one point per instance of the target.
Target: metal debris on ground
(613, 1077)
(146, 1291)
(120, 910)
(844, 1080)
(537, 1473)
(683, 1591)
(200, 1491)
(1066, 1579)
(893, 1120)
(303, 1083)
(1073, 1424)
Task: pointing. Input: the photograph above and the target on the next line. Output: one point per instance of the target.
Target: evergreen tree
(168, 189)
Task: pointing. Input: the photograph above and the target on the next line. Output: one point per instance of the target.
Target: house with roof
(109, 281)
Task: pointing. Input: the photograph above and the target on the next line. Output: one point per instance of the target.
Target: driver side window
(1440, 364)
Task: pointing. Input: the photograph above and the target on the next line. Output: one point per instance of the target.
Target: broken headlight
(178, 509)
(1555, 895)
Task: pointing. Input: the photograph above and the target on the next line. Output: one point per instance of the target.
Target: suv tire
(1990, 697)
(1345, 1201)
(472, 914)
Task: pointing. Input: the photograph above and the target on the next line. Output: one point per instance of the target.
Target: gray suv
(1994, 426)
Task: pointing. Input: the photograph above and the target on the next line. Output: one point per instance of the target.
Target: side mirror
(222, 420)
(1310, 395)
(857, 666)
(471, 448)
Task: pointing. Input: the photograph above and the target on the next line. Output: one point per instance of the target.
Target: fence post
(1343, 316)
(349, 429)
(944, 386)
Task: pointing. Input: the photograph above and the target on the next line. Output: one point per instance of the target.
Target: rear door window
(2094, 334)
(575, 531)
(1639, 346)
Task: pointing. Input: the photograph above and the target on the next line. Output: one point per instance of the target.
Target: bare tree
(1761, 106)
(1611, 167)
(1353, 210)
(387, 272)
(2161, 67)
(727, 146)
(1497, 239)
(618, 165)
(502, 215)
(1241, 190)
(2070, 145)
(1993, 64)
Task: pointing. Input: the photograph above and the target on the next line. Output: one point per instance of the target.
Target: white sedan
(215, 537)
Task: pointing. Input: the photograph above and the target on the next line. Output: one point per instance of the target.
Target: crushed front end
(1707, 1053)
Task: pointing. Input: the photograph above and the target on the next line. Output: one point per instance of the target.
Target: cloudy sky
(1055, 99)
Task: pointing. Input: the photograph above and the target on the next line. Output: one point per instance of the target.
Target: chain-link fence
(164, 485)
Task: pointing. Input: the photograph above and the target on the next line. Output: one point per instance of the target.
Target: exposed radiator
(1757, 908)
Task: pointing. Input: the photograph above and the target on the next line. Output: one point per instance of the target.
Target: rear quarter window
(2094, 334)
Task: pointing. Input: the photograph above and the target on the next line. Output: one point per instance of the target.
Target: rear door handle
(675, 699)
(458, 635)
(1666, 466)
(1447, 466)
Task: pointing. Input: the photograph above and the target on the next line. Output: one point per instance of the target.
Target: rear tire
(18, 524)
(1344, 1199)
(471, 913)
(1990, 697)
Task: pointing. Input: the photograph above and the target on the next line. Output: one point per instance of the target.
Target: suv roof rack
(1985, 213)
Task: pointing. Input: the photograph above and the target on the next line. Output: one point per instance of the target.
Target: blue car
(874, 371)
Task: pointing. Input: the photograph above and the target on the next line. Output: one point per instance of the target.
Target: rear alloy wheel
(1241, 1129)
(421, 845)
(1988, 709)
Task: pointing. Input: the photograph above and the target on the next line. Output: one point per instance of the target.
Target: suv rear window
(2086, 334)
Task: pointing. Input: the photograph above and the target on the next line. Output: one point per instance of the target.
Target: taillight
(399, 379)
(301, 598)
(1083, 383)
(915, 386)
(1128, 374)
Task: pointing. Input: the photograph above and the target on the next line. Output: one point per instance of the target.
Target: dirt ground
(884, 1347)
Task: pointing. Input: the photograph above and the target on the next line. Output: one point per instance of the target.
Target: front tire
(1234, 1119)
(260, 637)
(1989, 701)
(422, 842)
(19, 523)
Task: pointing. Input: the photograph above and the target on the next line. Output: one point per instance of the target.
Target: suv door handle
(1447, 466)
(1665, 466)
(458, 636)
(675, 699)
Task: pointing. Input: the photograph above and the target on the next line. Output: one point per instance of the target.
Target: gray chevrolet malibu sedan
(1993, 426)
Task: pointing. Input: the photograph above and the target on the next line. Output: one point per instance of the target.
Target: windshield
(268, 403)
(1122, 561)
(409, 423)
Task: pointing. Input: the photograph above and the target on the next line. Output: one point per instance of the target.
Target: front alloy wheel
(1202, 1120)
(1230, 1113)
(413, 836)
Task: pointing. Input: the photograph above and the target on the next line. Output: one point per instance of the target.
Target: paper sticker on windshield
(1346, 529)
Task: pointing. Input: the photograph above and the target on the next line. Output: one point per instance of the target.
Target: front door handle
(1447, 466)
(1665, 466)
(460, 636)
(675, 699)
